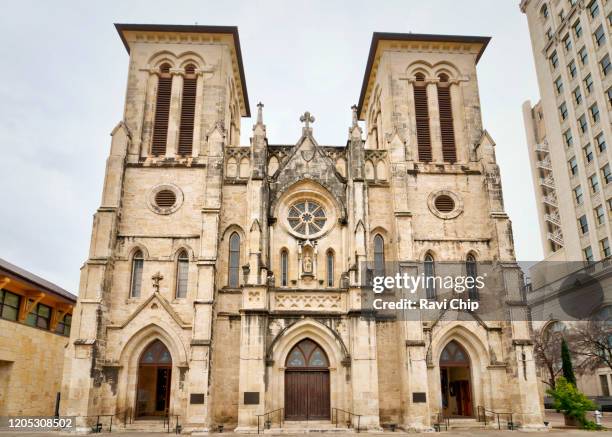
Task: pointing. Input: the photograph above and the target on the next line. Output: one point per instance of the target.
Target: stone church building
(224, 280)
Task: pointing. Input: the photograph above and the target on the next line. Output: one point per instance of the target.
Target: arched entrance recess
(307, 382)
(154, 380)
(455, 381)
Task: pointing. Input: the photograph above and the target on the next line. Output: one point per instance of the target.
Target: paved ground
(555, 419)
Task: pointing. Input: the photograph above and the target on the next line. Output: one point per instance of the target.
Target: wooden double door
(307, 382)
(307, 395)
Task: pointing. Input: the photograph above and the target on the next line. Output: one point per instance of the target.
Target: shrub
(572, 402)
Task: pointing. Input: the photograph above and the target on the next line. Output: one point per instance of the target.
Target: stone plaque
(251, 398)
(419, 397)
(196, 398)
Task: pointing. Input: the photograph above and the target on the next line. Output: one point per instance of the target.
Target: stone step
(303, 427)
(467, 423)
(143, 425)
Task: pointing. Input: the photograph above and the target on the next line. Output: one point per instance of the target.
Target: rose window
(307, 217)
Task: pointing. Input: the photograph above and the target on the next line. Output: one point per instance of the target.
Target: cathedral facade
(224, 281)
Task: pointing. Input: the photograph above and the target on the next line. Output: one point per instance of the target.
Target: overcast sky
(63, 78)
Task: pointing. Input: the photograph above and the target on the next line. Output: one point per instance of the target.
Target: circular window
(444, 203)
(306, 217)
(165, 199)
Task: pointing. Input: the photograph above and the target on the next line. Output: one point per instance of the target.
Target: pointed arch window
(307, 354)
(447, 130)
(421, 110)
(234, 261)
(162, 111)
(284, 260)
(188, 104)
(182, 274)
(430, 276)
(330, 268)
(471, 272)
(137, 267)
(379, 255)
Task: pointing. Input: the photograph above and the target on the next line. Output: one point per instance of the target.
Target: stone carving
(307, 264)
(308, 302)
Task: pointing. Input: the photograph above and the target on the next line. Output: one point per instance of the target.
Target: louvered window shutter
(162, 112)
(422, 121)
(187, 112)
(447, 131)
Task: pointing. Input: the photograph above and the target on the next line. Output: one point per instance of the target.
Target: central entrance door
(154, 377)
(307, 383)
(455, 381)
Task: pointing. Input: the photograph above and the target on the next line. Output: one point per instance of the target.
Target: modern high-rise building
(568, 135)
(568, 131)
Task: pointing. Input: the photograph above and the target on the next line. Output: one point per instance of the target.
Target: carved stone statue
(307, 264)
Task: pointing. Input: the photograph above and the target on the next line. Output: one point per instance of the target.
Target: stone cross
(354, 112)
(307, 119)
(157, 277)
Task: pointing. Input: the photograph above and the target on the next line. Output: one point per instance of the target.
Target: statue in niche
(307, 264)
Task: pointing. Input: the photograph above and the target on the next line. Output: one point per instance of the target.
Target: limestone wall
(31, 363)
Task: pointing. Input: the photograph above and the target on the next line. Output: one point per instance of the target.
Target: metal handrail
(350, 418)
(482, 413)
(98, 425)
(442, 420)
(168, 420)
(266, 421)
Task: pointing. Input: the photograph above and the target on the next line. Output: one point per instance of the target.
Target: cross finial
(354, 111)
(157, 277)
(260, 113)
(307, 119)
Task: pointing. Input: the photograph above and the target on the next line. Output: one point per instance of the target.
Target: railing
(347, 416)
(98, 426)
(268, 417)
(441, 421)
(482, 417)
(168, 423)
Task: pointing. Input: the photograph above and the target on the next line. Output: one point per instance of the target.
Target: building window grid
(63, 327)
(584, 57)
(583, 224)
(588, 153)
(577, 96)
(9, 305)
(600, 36)
(588, 83)
(573, 166)
(568, 138)
(582, 124)
(554, 60)
(593, 9)
(601, 142)
(594, 183)
(571, 68)
(609, 94)
(606, 173)
(559, 85)
(563, 111)
(605, 248)
(577, 28)
(567, 43)
(40, 316)
(594, 111)
(600, 215)
(579, 195)
(588, 254)
(605, 65)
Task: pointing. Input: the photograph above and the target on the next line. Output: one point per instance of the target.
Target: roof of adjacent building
(176, 28)
(377, 37)
(36, 281)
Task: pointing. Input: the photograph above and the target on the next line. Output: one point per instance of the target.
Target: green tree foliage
(566, 359)
(572, 402)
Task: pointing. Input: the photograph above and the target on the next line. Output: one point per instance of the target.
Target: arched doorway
(307, 382)
(154, 377)
(455, 381)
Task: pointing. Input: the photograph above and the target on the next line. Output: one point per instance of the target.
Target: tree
(547, 350)
(593, 341)
(574, 404)
(566, 363)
